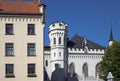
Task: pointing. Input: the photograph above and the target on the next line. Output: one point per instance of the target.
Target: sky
(91, 19)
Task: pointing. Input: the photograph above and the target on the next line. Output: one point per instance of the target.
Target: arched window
(54, 40)
(72, 68)
(85, 70)
(54, 54)
(59, 53)
(60, 40)
(46, 62)
(97, 69)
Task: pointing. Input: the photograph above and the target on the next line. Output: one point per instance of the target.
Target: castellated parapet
(58, 25)
(77, 50)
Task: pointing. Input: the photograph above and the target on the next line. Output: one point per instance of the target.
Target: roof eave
(21, 14)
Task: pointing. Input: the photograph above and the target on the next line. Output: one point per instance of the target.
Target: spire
(111, 40)
(111, 34)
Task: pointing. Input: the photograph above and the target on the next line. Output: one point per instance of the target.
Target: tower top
(58, 25)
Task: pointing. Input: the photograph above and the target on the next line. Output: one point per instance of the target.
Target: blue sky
(88, 18)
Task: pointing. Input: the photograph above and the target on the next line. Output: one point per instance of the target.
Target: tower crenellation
(58, 25)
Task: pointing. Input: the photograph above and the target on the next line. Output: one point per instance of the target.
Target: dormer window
(85, 45)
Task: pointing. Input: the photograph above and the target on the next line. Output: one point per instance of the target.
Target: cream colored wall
(20, 40)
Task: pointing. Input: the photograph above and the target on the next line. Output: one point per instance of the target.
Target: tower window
(46, 63)
(54, 41)
(60, 40)
(59, 53)
(54, 54)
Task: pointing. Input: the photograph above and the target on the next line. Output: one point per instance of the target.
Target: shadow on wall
(46, 78)
(72, 76)
(58, 74)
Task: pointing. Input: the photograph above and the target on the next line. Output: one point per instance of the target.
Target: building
(78, 53)
(21, 40)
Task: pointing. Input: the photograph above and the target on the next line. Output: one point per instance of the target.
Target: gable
(77, 42)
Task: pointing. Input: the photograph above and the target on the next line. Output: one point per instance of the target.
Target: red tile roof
(19, 7)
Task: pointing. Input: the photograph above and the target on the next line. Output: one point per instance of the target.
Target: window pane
(31, 29)
(9, 69)
(9, 28)
(31, 49)
(31, 68)
(9, 49)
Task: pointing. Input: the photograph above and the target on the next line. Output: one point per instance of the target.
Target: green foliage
(111, 62)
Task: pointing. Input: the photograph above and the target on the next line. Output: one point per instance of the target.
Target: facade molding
(20, 19)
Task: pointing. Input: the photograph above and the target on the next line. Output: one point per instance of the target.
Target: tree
(111, 62)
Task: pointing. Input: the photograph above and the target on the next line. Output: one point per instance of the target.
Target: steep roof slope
(76, 42)
(19, 7)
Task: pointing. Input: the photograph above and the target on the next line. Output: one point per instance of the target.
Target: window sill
(9, 34)
(31, 55)
(9, 55)
(10, 76)
(32, 75)
(31, 34)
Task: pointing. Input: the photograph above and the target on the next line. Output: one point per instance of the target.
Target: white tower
(58, 41)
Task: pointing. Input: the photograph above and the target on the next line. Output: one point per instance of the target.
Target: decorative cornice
(20, 18)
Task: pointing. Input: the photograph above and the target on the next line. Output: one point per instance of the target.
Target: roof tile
(19, 7)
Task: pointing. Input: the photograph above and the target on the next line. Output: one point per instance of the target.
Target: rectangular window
(31, 29)
(9, 49)
(9, 29)
(31, 49)
(31, 70)
(9, 70)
